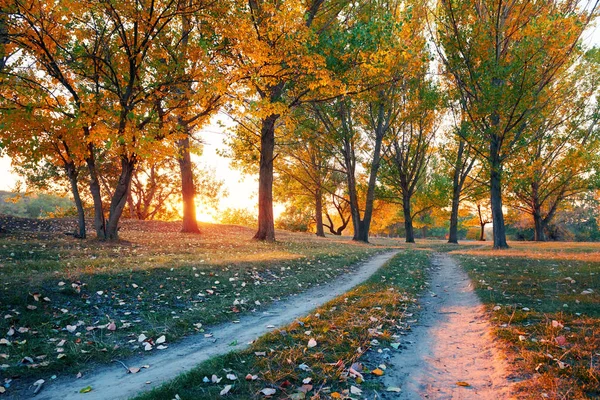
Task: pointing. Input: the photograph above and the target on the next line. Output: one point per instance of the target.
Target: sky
(242, 188)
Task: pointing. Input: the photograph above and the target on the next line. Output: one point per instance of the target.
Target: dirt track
(451, 343)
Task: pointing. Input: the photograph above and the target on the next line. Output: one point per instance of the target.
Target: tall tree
(502, 56)
(409, 149)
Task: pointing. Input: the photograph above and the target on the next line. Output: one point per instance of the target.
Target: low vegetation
(66, 304)
(545, 307)
(321, 355)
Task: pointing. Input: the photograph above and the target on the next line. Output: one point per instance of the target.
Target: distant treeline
(39, 205)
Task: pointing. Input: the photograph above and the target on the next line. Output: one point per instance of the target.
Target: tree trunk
(266, 225)
(319, 213)
(119, 199)
(188, 190)
(453, 233)
(482, 232)
(408, 225)
(499, 229)
(539, 226)
(99, 219)
(72, 174)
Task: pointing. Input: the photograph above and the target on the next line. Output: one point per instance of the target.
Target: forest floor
(83, 314)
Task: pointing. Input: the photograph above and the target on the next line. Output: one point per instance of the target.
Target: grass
(366, 318)
(67, 304)
(549, 322)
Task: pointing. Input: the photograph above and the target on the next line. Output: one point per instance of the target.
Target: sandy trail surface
(112, 382)
(451, 343)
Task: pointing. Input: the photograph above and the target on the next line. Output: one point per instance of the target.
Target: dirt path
(451, 343)
(112, 382)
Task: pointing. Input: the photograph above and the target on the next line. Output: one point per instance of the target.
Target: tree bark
(99, 219)
(319, 212)
(453, 233)
(119, 198)
(499, 230)
(408, 225)
(539, 226)
(73, 175)
(266, 224)
(188, 190)
(482, 231)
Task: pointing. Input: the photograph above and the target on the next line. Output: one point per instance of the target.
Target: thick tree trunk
(266, 225)
(119, 199)
(99, 219)
(72, 174)
(499, 229)
(319, 213)
(408, 225)
(539, 226)
(188, 190)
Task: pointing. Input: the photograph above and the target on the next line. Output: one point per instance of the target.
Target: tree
(273, 46)
(104, 64)
(562, 161)
(459, 159)
(409, 148)
(502, 57)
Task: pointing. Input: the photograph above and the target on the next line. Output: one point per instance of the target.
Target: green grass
(156, 283)
(525, 294)
(343, 329)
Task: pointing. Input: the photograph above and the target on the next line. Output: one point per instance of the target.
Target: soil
(451, 343)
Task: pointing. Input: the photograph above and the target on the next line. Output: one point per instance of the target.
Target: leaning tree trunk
(266, 224)
(99, 220)
(72, 175)
(319, 212)
(499, 230)
(119, 198)
(408, 225)
(188, 191)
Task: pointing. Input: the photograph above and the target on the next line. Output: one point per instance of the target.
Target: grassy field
(67, 304)
(545, 304)
(289, 365)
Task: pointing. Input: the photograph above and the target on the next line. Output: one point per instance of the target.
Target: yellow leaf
(377, 372)
(461, 383)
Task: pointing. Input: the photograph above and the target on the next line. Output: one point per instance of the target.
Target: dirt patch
(113, 382)
(451, 343)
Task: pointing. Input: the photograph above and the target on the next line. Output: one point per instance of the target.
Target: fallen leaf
(463, 384)
(251, 377)
(86, 389)
(377, 372)
(215, 379)
(268, 391)
(112, 326)
(133, 370)
(231, 377)
(355, 390)
(560, 340)
(161, 339)
(312, 343)
(394, 389)
(225, 390)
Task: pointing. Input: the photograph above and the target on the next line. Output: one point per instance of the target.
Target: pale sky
(242, 189)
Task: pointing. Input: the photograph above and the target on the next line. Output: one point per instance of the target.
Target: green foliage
(40, 205)
(238, 216)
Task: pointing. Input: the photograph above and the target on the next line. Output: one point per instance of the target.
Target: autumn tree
(108, 65)
(502, 56)
(561, 161)
(459, 158)
(273, 44)
(409, 148)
